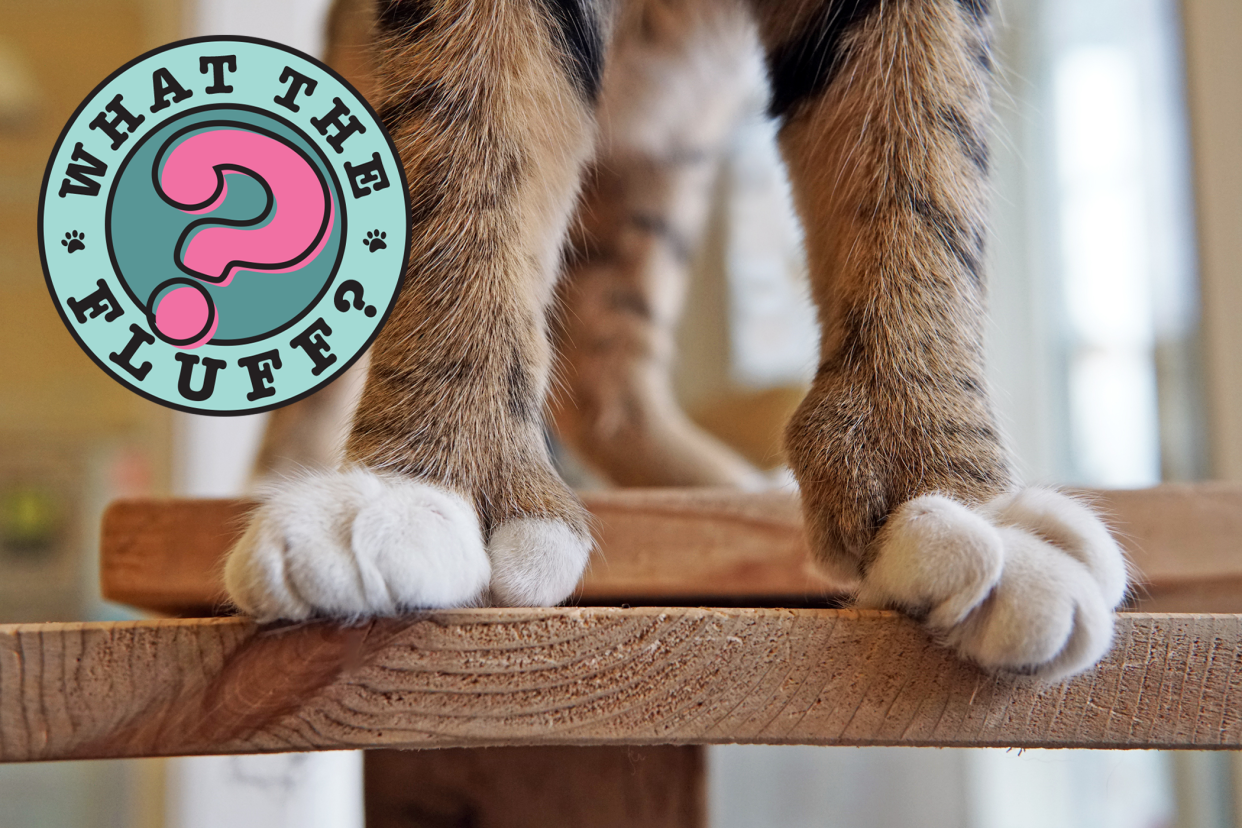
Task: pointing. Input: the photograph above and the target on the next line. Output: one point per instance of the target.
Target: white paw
(1027, 582)
(354, 543)
(536, 562)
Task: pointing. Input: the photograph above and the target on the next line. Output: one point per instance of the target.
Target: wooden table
(611, 697)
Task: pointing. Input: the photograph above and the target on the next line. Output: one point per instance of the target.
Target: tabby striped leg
(308, 435)
(449, 488)
(676, 79)
(905, 483)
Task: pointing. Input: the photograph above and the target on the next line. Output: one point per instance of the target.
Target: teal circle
(125, 237)
(256, 303)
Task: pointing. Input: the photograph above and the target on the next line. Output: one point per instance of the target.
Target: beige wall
(1214, 97)
(68, 432)
(64, 49)
(65, 426)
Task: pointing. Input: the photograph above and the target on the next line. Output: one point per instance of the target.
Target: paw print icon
(73, 241)
(375, 240)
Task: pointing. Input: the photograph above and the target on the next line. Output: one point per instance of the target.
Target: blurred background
(1116, 290)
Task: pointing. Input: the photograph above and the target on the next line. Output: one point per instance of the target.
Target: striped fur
(887, 156)
(493, 133)
(885, 148)
(673, 88)
(504, 109)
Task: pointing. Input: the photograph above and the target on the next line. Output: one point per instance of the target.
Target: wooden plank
(166, 555)
(537, 787)
(1185, 541)
(671, 546)
(660, 545)
(1178, 530)
(593, 676)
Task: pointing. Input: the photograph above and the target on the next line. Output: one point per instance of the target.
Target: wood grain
(698, 546)
(593, 676)
(654, 546)
(661, 786)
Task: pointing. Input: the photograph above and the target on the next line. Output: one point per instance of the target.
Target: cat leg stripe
(661, 228)
(428, 100)
(803, 66)
(581, 34)
(978, 9)
(403, 16)
(974, 145)
(965, 244)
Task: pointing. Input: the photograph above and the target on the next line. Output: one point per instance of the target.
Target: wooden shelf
(618, 675)
(696, 546)
(592, 676)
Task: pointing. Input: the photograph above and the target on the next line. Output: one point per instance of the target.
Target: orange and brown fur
(671, 93)
(508, 114)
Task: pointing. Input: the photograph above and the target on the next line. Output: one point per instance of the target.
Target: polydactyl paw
(1025, 583)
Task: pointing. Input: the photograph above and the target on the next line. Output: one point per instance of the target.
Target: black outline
(186, 282)
(405, 191)
(323, 157)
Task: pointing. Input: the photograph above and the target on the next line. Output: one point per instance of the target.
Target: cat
(579, 137)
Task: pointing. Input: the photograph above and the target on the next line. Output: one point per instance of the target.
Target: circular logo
(224, 225)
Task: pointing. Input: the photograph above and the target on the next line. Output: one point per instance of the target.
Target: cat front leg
(308, 435)
(906, 485)
(447, 496)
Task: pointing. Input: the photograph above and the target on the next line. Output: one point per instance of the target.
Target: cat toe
(536, 562)
(355, 544)
(938, 560)
(1070, 526)
(1026, 583)
(1046, 617)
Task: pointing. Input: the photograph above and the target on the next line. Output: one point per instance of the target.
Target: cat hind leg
(674, 88)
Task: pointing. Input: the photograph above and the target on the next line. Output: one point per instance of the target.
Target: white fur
(535, 562)
(354, 543)
(1026, 582)
(1072, 527)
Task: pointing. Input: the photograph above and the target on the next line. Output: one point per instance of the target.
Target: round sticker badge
(224, 225)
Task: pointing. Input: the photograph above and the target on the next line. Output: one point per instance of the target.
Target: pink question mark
(194, 178)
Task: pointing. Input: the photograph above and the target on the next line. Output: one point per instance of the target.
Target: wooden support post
(537, 787)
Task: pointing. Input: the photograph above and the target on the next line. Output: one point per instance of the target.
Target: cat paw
(1025, 583)
(353, 544)
(536, 562)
